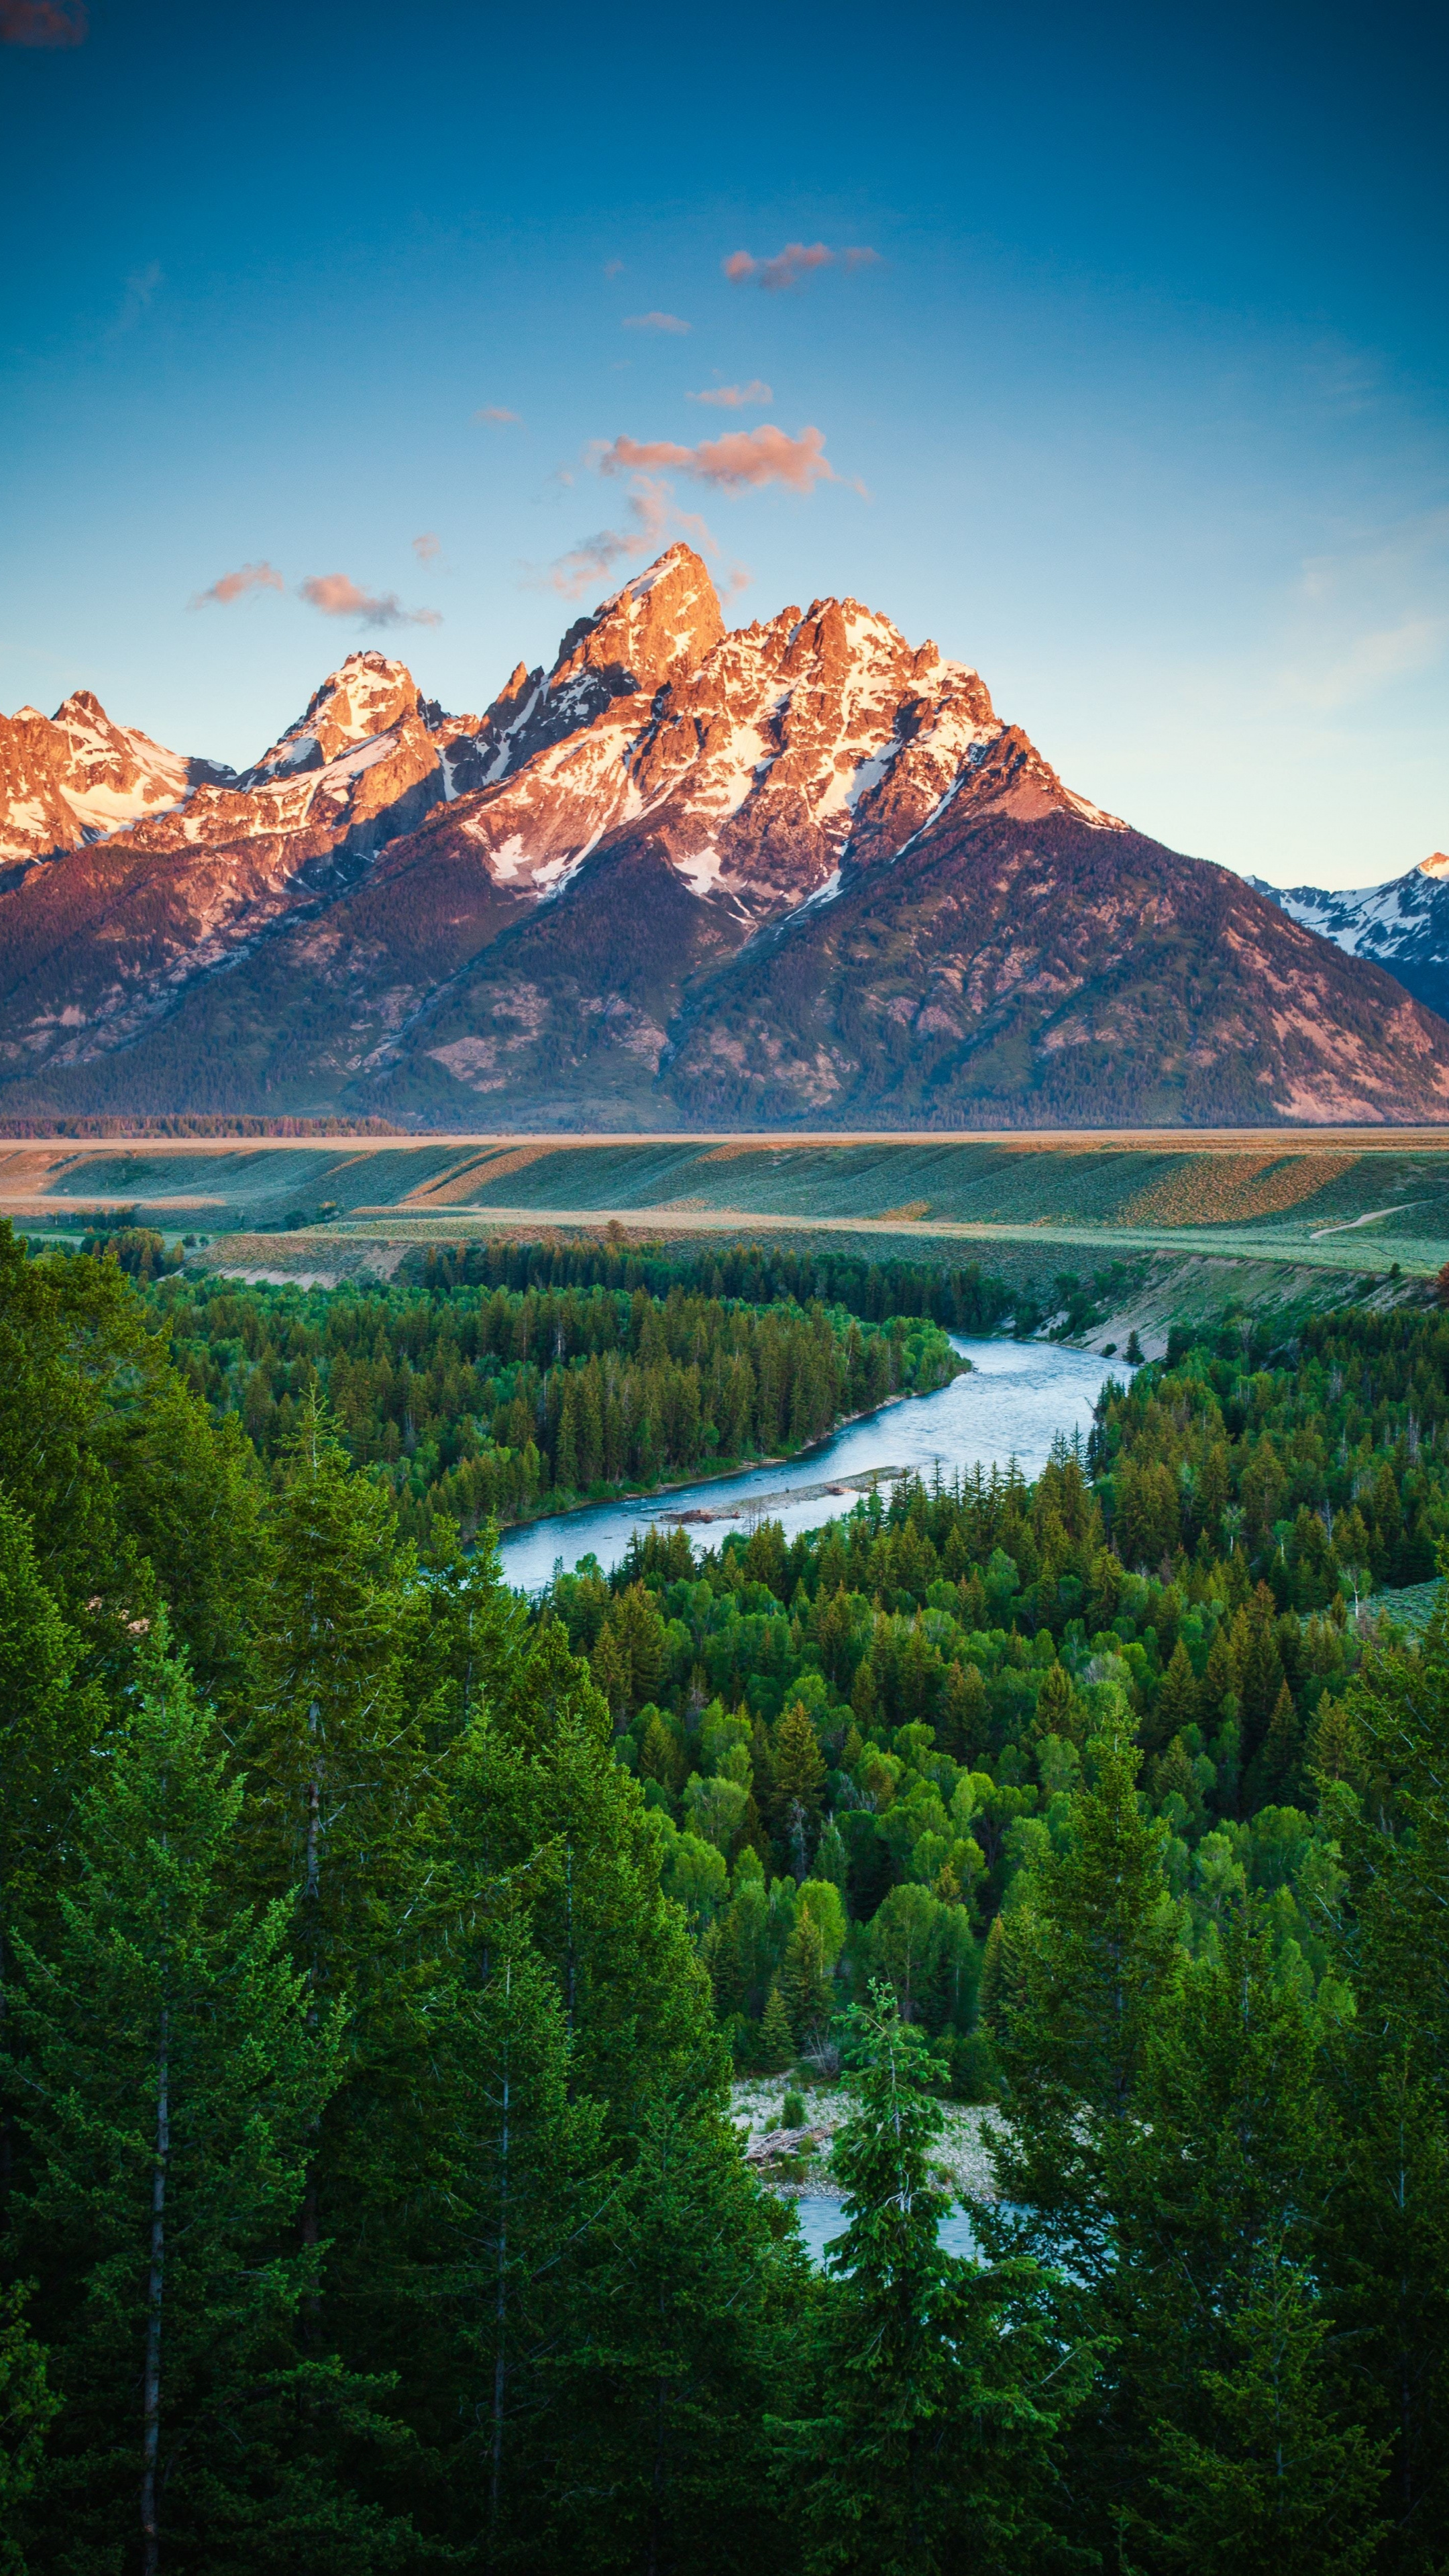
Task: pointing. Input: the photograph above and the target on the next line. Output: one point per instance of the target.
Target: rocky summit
(797, 872)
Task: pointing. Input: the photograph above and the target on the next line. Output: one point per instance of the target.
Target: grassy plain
(1195, 1218)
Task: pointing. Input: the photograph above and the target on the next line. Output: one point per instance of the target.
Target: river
(1015, 1399)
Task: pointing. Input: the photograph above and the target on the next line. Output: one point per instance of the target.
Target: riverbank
(1011, 1404)
(628, 1497)
(961, 2155)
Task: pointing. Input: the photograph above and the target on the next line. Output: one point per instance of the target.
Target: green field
(1259, 1218)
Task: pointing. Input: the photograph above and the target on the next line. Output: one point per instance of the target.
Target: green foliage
(941, 2397)
(479, 1403)
(170, 2083)
(370, 2194)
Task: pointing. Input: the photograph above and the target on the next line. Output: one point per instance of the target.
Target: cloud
(734, 397)
(42, 22)
(739, 461)
(496, 412)
(336, 596)
(792, 264)
(613, 268)
(1369, 615)
(654, 322)
(139, 297)
(234, 585)
(427, 548)
(1367, 663)
(652, 517)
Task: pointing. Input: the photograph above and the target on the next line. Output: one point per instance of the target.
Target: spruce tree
(170, 2084)
(1082, 1966)
(1241, 2432)
(518, 2175)
(27, 2406)
(1388, 2258)
(679, 2357)
(344, 1812)
(940, 2386)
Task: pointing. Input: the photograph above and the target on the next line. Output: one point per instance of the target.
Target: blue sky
(1140, 405)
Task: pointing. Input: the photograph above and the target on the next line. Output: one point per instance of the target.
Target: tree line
(484, 1405)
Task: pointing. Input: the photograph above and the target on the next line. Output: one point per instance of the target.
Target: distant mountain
(1402, 926)
(793, 873)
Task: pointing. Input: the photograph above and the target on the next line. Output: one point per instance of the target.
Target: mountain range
(1402, 925)
(795, 873)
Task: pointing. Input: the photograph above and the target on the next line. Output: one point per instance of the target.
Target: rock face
(798, 872)
(1402, 926)
(74, 776)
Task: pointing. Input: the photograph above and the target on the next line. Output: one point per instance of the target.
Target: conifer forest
(378, 1948)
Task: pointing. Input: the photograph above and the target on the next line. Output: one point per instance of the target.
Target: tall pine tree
(169, 2086)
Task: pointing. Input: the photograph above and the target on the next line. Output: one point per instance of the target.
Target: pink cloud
(427, 548)
(336, 596)
(41, 22)
(790, 265)
(233, 585)
(613, 268)
(741, 460)
(654, 322)
(734, 397)
(652, 518)
(496, 412)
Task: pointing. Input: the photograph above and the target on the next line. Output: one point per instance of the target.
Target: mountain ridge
(795, 871)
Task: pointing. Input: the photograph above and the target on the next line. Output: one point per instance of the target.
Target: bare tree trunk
(150, 2537)
(500, 2300)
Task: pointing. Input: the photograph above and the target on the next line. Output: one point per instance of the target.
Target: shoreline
(742, 1467)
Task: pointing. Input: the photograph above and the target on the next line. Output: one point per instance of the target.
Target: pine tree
(27, 2407)
(1223, 2184)
(938, 2390)
(1177, 1701)
(517, 2177)
(777, 2039)
(1273, 2480)
(345, 1808)
(1388, 2260)
(1082, 1967)
(804, 1982)
(49, 1724)
(170, 2087)
(681, 2341)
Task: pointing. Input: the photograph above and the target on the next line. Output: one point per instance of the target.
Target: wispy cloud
(139, 297)
(42, 22)
(792, 265)
(613, 268)
(336, 596)
(235, 585)
(652, 517)
(734, 397)
(1372, 613)
(427, 548)
(654, 322)
(496, 413)
(740, 460)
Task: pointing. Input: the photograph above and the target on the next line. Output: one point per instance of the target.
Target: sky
(1104, 346)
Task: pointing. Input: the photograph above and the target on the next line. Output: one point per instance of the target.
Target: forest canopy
(376, 1951)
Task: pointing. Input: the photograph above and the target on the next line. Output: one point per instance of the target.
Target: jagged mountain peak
(77, 776)
(795, 869)
(367, 695)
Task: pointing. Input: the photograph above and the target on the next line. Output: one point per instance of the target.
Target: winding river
(1015, 1400)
